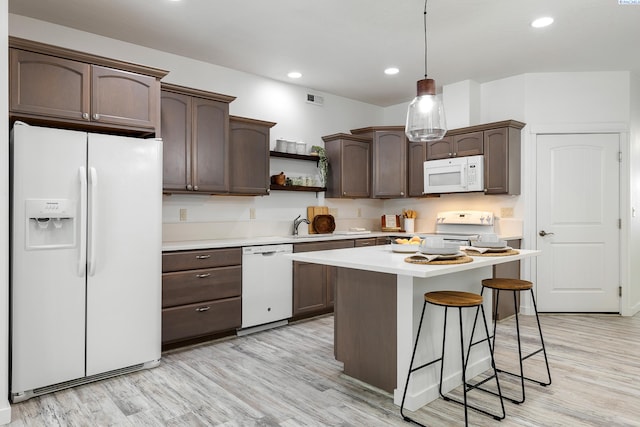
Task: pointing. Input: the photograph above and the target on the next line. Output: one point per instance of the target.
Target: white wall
(5, 409)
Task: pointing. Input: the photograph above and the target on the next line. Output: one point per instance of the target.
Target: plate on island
(451, 256)
(440, 251)
(404, 248)
(500, 244)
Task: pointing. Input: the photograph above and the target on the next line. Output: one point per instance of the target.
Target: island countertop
(381, 259)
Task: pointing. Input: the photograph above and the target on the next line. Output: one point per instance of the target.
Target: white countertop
(273, 240)
(381, 259)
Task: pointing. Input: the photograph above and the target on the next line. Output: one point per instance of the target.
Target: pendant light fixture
(425, 117)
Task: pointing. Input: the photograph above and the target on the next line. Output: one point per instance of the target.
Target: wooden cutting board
(312, 211)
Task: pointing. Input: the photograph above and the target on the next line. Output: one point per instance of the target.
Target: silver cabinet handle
(543, 233)
(344, 193)
(455, 154)
(85, 116)
(450, 154)
(402, 193)
(96, 116)
(195, 188)
(202, 276)
(203, 256)
(189, 187)
(201, 309)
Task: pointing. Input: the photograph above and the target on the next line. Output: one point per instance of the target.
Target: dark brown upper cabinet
(388, 160)
(249, 156)
(66, 88)
(456, 145)
(349, 166)
(195, 132)
(502, 153)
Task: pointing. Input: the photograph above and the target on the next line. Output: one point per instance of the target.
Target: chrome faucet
(297, 222)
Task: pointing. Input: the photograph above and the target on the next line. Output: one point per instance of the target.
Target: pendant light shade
(425, 116)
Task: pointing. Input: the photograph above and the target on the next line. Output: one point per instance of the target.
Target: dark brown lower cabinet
(201, 295)
(509, 270)
(313, 284)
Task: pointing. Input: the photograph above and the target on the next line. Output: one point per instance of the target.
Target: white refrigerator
(86, 257)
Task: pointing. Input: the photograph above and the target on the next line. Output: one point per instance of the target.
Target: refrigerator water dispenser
(50, 223)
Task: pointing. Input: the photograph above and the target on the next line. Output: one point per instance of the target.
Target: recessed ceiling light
(294, 75)
(391, 71)
(542, 22)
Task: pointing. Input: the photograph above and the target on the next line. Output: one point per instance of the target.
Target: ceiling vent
(315, 99)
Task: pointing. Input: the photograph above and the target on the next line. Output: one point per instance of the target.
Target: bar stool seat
(459, 300)
(515, 285)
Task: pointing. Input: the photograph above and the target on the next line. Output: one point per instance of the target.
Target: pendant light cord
(425, 38)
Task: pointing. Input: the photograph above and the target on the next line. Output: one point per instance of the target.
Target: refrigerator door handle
(93, 196)
(82, 256)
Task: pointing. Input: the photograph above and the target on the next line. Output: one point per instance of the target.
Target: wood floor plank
(287, 377)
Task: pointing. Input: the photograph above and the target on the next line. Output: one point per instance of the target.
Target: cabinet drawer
(194, 320)
(322, 246)
(185, 287)
(365, 242)
(191, 260)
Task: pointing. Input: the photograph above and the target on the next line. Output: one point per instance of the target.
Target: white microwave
(455, 175)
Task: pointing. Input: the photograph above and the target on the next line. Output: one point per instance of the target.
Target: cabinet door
(355, 169)
(468, 144)
(389, 164)
(496, 162)
(176, 138)
(210, 155)
(124, 98)
(441, 149)
(417, 154)
(248, 158)
(49, 86)
(309, 288)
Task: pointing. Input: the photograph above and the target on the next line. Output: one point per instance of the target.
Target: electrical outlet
(334, 212)
(359, 214)
(252, 213)
(506, 212)
(183, 214)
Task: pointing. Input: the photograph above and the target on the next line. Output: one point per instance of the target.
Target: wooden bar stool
(515, 285)
(459, 300)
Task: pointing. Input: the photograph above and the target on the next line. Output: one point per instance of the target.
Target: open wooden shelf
(294, 156)
(297, 188)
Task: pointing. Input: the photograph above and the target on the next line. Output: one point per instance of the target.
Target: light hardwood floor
(288, 377)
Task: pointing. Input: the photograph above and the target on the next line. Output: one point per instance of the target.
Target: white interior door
(124, 257)
(578, 222)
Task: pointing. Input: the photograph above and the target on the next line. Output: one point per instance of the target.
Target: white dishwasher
(267, 286)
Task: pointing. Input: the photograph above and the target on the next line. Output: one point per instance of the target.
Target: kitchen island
(379, 299)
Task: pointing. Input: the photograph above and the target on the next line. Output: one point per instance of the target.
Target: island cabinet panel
(388, 160)
(195, 132)
(509, 270)
(313, 284)
(349, 173)
(365, 322)
(201, 295)
(249, 156)
(66, 88)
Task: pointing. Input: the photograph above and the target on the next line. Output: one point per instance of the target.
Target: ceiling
(343, 46)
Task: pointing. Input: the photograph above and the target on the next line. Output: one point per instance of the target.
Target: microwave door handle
(463, 174)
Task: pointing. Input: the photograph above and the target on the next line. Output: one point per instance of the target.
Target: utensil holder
(409, 225)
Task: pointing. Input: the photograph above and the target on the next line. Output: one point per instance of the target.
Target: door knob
(543, 233)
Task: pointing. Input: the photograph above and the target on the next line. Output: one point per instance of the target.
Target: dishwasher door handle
(272, 253)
